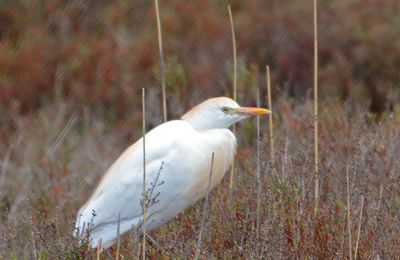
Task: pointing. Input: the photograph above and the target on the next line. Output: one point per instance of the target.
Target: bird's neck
(198, 119)
(198, 123)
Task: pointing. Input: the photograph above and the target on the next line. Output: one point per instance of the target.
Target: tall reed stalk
(258, 172)
(232, 171)
(144, 204)
(162, 65)
(316, 157)
(205, 207)
(270, 119)
(118, 237)
(348, 213)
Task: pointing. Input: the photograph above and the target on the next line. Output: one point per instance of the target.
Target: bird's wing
(119, 194)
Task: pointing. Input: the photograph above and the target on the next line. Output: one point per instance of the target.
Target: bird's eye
(225, 109)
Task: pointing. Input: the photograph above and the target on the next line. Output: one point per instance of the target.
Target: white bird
(178, 162)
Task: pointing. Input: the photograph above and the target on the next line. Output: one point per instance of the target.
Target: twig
(316, 187)
(380, 199)
(271, 125)
(258, 175)
(150, 199)
(61, 136)
(359, 228)
(234, 54)
(377, 219)
(156, 245)
(205, 206)
(118, 236)
(348, 213)
(144, 206)
(162, 66)
(234, 86)
(98, 250)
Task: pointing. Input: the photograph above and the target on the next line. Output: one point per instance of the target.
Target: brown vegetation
(55, 158)
(100, 53)
(71, 74)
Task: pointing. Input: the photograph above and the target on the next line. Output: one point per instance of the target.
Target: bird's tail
(104, 235)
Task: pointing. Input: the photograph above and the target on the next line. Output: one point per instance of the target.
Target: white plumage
(183, 148)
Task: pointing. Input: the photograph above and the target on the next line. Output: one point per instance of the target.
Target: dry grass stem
(377, 215)
(316, 159)
(234, 54)
(162, 65)
(205, 207)
(348, 213)
(359, 228)
(118, 237)
(380, 199)
(144, 205)
(62, 135)
(232, 171)
(98, 251)
(156, 245)
(258, 172)
(270, 118)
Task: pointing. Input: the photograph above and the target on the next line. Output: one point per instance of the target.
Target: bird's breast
(221, 143)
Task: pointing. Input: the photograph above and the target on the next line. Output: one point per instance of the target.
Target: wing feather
(182, 180)
(119, 194)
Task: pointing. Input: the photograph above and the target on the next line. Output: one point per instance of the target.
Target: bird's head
(220, 112)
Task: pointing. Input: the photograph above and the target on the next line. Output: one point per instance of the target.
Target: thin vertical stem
(234, 86)
(118, 237)
(98, 250)
(348, 213)
(258, 172)
(377, 214)
(162, 66)
(144, 205)
(271, 125)
(316, 159)
(205, 206)
(359, 228)
(234, 54)
(380, 199)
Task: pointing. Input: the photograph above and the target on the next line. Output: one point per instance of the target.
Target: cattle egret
(178, 161)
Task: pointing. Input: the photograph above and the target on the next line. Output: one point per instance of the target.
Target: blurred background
(99, 54)
(71, 74)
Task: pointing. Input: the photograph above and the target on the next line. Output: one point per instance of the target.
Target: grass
(40, 195)
(294, 202)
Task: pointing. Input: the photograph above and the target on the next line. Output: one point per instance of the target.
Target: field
(56, 158)
(70, 80)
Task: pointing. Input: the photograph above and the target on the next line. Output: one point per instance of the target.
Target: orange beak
(252, 111)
